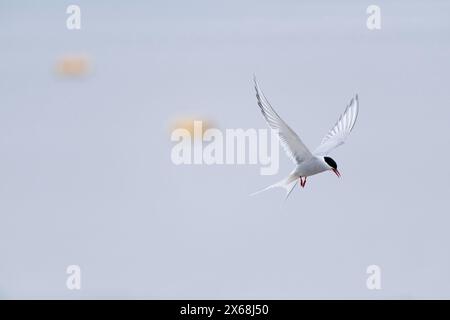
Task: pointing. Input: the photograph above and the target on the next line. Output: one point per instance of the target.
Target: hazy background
(85, 170)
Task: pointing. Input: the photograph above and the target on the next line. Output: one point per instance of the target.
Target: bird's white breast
(311, 167)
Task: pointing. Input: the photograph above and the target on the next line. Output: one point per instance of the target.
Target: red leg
(302, 181)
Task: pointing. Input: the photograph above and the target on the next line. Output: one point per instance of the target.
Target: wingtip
(256, 86)
(353, 100)
(350, 104)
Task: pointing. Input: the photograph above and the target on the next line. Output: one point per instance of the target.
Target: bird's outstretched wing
(294, 147)
(339, 133)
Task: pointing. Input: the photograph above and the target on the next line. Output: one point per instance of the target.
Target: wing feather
(291, 143)
(341, 130)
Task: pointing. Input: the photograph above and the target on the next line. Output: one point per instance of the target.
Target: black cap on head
(330, 162)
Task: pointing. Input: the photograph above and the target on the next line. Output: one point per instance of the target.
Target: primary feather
(341, 130)
(290, 141)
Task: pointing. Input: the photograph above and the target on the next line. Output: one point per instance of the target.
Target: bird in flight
(307, 163)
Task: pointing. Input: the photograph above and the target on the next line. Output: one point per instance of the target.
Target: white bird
(307, 163)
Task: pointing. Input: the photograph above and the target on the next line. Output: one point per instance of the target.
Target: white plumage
(307, 163)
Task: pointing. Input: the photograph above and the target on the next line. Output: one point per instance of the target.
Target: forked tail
(288, 184)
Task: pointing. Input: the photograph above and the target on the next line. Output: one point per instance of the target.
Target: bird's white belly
(310, 167)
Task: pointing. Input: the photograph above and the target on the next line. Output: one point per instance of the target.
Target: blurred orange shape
(73, 65)
(188, 123)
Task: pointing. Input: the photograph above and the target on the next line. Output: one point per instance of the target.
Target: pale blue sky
(85, 170)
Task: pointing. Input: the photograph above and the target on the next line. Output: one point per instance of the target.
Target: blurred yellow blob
(189, 123)
(73, 65)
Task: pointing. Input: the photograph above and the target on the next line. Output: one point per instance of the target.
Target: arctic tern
(307, 163)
